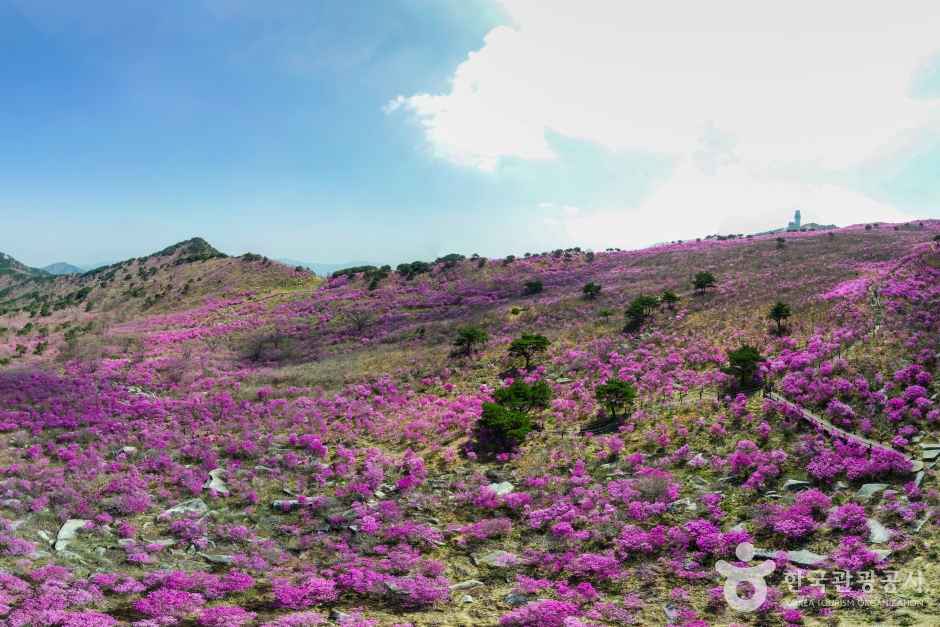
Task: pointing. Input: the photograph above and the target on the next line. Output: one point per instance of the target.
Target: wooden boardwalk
(832, 430)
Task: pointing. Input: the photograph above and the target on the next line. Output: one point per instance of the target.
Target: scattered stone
(469, 584)
(920, 523)
(217, 559)
(930, 454)
(215, 482)
(930, 445)
(869, 490)
(803, 556)
(917, 465)
(842, 485)
(514, 599)
(687, 504)
(45, 536)
(807, 558)
(918, 478)
(795, 485)
(127, 542)
(882, 553)
(498, 559)
(129, 450)
(877, 533)
(563, 380)
(503, 488)
(672, 614)
(68, 532)
(192, 506)
(467, 599)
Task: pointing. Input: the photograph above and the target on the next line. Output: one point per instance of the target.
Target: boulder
(68, 532)
(877, 533)
(192, 506)
(869, 490)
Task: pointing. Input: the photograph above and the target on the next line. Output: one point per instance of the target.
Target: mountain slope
(15, 270)
(45, 309)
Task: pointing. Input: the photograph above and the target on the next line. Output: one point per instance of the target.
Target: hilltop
(55, 311)
(60, 267)
(565, 439)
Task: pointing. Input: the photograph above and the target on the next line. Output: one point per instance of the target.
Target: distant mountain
(325, 269)
(60, 267)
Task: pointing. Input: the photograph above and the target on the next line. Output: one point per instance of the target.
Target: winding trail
(834, 431)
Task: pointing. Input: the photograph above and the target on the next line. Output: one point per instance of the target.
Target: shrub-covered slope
(298, 453)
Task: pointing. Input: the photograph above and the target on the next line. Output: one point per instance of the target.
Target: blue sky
(405, 129)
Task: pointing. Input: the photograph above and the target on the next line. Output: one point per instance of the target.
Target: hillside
(225, 441)
(12, 270)
(42, 316)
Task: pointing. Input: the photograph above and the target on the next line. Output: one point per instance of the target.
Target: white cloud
(733, 90)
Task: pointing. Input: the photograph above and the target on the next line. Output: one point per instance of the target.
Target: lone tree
(638, 311)
(524, 397)
(670, 299)
(591, 291)
(703, 281)
(501, 429)
(779, 313)
(743, 363)
(527, 346)
(616, 396)
(532, 287)
(468, 338)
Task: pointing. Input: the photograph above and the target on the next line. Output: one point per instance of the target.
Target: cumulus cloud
(749, 98)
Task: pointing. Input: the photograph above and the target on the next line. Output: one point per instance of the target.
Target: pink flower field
(192, 439)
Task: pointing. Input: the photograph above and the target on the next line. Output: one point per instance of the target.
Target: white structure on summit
(795, 225)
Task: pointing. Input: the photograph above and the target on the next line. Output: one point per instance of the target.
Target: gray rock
(514, 599)
(672, 614)
(127, 542)
(869, 490)
(930, 454)
(498, 559)
(877, 533)
(882, 553)
(45, 536)
(129, 450)
(917, 465)
(192, 506)
(215, 482)
(68, 532)
(469, 584)
(217, 559)
(795, 485)
(918, 478)
(806, 558)
(467, 599)
(920, 523)
(842, 485)
(930, 445)
(803, 557)
(502, 488)
(687, 504)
